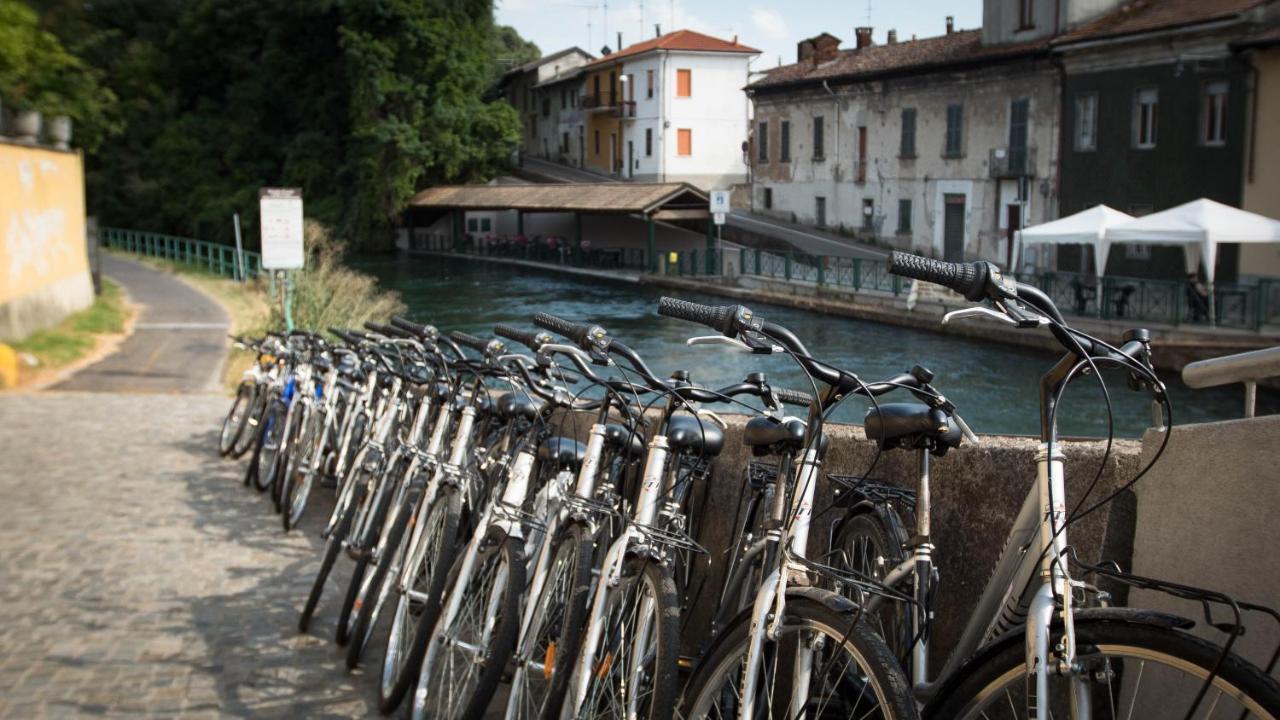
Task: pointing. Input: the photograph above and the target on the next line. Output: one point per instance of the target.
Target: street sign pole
(720, 207)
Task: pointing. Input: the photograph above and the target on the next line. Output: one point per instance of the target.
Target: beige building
(1262, 161)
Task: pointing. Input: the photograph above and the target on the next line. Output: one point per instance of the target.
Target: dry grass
(77, 336)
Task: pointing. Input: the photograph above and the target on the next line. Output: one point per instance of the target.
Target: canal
(993, 385)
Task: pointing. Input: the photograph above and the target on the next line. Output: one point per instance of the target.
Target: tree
(510, 50)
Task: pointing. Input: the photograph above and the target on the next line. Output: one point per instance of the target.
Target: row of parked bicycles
(523, 514)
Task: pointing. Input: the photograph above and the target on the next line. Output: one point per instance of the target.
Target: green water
(993, 385)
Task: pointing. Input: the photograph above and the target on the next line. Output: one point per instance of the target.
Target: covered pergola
(652, 202)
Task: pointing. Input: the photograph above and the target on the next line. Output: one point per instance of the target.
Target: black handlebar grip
(576, 332)
(344, 336)
(403, 324)
(793, 397)
(721, 318)
(470, 341)
(528, 339)
(968, 279)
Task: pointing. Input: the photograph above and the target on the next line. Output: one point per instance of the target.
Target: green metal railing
(216, 258)
(823, 270)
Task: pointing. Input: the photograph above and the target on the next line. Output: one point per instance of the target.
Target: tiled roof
(1148, 15)
(1262, 38)
(618, 197)
(680, 40)
(534, 64)
(961, 46)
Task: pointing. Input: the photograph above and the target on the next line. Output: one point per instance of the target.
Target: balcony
(608, 103)
(1013, 162)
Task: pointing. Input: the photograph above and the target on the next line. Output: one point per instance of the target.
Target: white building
(669, 109)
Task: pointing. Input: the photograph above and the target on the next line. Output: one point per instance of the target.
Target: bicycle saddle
(517, 405)
(912, 425)
(771, 436)
(622, 437)
(562, 451)
(698, 436)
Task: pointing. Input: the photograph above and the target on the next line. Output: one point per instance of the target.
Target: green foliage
(510, 50)
(329, 294)
(360, 103)
(75, 335)
(37, 72)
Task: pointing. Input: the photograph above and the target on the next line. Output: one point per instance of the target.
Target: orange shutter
(684, 141)
(684, 83)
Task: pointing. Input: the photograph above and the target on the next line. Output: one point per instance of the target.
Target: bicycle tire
(639, 575)
(506, 560)
(981, 678)
(272, 425)
(253, 421)
(724, 659)
(283, 458)
(874, 543)
(396, 681)
(289, 473)
(332, 547)
(233, 424)
(301, 482)
(364, 548)
(566, 591)
(367, 612)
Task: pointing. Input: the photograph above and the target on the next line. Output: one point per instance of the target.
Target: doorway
(953, 228)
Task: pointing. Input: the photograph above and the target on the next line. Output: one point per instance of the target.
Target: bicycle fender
(832, 600)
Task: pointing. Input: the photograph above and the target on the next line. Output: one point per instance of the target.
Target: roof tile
(686, 40)
(1147, 15)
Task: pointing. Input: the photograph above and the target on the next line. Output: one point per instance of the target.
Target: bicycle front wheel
(634, 670)
(851, 672)
(466, 656)
(233, 425)
(1133, 670)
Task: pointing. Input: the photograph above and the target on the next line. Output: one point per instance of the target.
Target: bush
(327, 293)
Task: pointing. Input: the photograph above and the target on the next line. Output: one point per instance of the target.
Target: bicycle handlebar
(968, 279)
(468, 340)
(721, 318)
(532, 340)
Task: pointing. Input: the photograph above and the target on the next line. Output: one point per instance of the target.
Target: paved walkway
(178, 344)
(139, 577)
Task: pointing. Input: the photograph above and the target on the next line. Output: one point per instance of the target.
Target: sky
(771, 26)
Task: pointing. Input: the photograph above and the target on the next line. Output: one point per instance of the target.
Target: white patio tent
(1199, 227)
(1087, 227)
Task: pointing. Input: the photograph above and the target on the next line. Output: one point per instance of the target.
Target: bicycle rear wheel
(271, 440)
(1135, 670)
(872, 542)
(253, 421)
(852, 672)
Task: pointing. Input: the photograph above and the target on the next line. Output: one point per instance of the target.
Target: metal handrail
(1246, 367)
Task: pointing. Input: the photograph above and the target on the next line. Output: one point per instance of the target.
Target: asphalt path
(179, 341)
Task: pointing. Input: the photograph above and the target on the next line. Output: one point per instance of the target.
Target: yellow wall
(44, 264)
(603, 120)
(1262, 195)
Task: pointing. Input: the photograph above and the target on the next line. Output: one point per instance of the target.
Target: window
(1134, 251)
(613, 88)
(768, 198)
(762, 142)
(631, 87)
(907, 147)
(1026, 14)
(1019, 112)
(564, 98)
(1146, 103)
(1214, 117)
(546, 106)
(784, 141)
(684, 83)
(817, 138)
(564, 142)
(1086, 122)
(820, 211)
(473, 224)
(684, 142)
(597, 142)
(649, 84)
(573, 98)
(486, 224)
(868, 214)
(904, 217)
(955, 131)
(595, 90)
(648, 142)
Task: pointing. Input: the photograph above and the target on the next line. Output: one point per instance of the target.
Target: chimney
(893, 37)
(951, 24)
(735, 39)
(864, 36)
(620, 36)
(657, 30)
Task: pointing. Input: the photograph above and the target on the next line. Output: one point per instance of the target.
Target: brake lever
(978, 312)
(964, 429)
(759, 349)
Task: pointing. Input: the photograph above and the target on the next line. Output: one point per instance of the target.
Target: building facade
(1261, 52)
(1157, 112)
(943, 146)
(670, 109)
(546, 95)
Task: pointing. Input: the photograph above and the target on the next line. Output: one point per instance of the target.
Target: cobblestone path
(138, 577)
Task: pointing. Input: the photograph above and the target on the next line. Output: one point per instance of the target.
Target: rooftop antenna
(641, 33)
(869, 13)
(672, 13)
(604, 22)
(590, 35)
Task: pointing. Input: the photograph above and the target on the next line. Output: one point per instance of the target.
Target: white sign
(280, 217)
(719, 218)
(720, 201)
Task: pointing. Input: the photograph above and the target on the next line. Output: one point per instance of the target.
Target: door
(820, 211)
(631, 159)
(1014, 220)
(613, 154)
(953, 228)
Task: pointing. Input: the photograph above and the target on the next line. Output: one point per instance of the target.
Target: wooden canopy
(656, 201)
